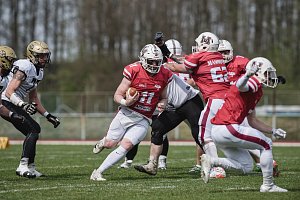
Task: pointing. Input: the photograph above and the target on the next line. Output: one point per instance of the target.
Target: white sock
(266, 164)
(211, 149)
(114, 157)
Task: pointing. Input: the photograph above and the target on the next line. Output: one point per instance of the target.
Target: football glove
(29, 108)
(53, 120)
(251, 71)
(278, 133)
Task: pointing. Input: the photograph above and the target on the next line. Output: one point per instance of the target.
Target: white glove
(131, 99)
(278, 133)
(252, 70)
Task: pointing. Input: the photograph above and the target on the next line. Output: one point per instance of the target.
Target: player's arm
(254, 122)
(180, 68)
(121, 93)
(277, 133)
(161, 105)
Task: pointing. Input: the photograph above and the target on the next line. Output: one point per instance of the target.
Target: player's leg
(129, 157)
(162, 160)
(133, 135)
(207, 114)
(162, 125)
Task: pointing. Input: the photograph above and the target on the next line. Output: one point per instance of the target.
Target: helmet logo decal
(206, 39)
(2, 53)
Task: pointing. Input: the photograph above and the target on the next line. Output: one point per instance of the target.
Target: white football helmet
(226, 50)
(174, 47)
(206, 41)
(266, 73)
(151, 58)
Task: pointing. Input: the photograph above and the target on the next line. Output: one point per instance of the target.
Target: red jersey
(238, 104)
(236, 67)
(149, 87)
(209, 73)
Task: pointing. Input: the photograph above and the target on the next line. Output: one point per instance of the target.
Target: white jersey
(32, 78)
(179, 92)
(3, 83)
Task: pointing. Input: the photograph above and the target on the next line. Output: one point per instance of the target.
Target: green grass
(68, 169)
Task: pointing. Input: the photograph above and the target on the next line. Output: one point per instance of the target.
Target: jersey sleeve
(253, 84)
(22, 65)
(130, 70)
(191, 61)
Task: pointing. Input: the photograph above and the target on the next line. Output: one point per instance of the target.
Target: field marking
(46, 188)
(173, 143)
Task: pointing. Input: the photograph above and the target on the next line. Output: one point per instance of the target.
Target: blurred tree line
(91, 41)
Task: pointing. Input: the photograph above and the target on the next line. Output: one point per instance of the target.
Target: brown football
(132, 91)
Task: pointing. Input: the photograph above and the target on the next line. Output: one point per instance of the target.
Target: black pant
(30, 128)
(168, 120)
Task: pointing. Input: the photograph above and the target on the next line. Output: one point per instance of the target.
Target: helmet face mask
(151, 58)
(226, 50)
(38, 53)
(174, 47)
(7, 58)
(206, 41)
(266, 73)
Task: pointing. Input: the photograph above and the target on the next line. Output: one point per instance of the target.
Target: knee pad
(156, 138)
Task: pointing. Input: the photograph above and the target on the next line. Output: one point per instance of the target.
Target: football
(217, 172)
(132, 91)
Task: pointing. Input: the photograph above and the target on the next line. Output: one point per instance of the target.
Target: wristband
(15, 99)
(45, 114)
(123, 102)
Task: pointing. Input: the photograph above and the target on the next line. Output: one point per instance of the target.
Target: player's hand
(17, 118)
(30, 108)
(175, 59)
(130, 100)
(53, 120)
(161, 106)
(278, 133)
(252, 70)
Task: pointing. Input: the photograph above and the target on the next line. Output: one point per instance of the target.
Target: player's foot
(33, 170)
(195, 169)
(150, 168)
(99, 146)
(23, 171)
(272, 188)
(96, 176)
(162, 162)
(126, 164)
(205, 167)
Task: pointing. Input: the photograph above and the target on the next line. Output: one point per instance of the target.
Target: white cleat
(162, 162)
(24, 171)
(205, 167)
(126, 164)
(99, 146)
(33, 170)
(272, 188)
(96, 176)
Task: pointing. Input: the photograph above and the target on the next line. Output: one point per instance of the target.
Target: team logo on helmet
(2, 53)
(206, 39)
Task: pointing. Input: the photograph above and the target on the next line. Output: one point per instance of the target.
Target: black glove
(53, 120)
(158, 38)
(17, 118)
(30, 108)
(281, 79)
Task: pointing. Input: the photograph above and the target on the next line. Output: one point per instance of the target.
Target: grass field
(68, 169)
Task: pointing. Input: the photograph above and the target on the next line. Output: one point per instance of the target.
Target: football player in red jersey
(236, 66)
(130, 125)
(207, 68)
(234, 137)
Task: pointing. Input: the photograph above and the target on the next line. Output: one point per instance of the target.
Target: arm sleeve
(241, 84)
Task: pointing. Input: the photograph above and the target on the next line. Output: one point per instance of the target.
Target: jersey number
(219, 74)
(146, 97)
